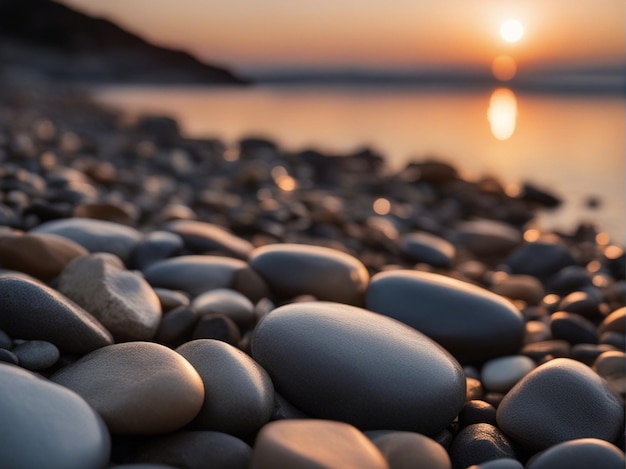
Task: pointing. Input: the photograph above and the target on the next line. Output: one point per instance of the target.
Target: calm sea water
(569, 144)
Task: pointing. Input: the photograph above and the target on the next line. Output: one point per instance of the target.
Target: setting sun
(512, 30)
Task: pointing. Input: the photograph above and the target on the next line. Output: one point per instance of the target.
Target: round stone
(176, 326)
(471, 323)
(31, 310)
(239, 395)
(43, 256)
(428, 248)
(155, 246)
(579, 454)
(558, 401)
(540, 259)
(487, 237)
(36, 355)
(479, 443)
(171, 299)
(194, 274)
(520, 287)
(217, 326)
(291, 270)
(477, 411)
(201, 237)
(501, 374)
(227, 302)
(408, 450)
(94, 235)
(345, 363)
(120, 299)
(573, 328)
(309, 444)
(139, 388)
(45, 425)
(196, 450)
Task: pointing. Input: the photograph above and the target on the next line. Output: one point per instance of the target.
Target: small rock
(573, 328)
(477, 444)
(579, 454)
(229, 303)
(500, 463)
(477, 411)
(501, 374)
(428, 248)
(36, 355)
(487, 237)
(540, 259)
(520, 287)
(408, 450)
(171, 299)
(176, 326)
(314, 443)
(156, 246)
(201, 237)
(218, 327)
(6, 356)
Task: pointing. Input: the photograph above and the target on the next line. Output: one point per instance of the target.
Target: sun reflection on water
(502, 113)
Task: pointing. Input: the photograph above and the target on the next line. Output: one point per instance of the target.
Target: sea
(570, 144)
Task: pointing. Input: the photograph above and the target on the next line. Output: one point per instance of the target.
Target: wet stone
(314, 443)
(310, 351)
(330, 275)
(120, 299)
(559, 401)
(31, 310)
(36, 355)
(470, 322)
(169, 394)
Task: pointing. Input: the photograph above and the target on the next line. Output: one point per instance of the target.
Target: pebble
(154, 247)
(94, 235)
(291, 270)
(428, 248)
(194, 274)
(614, 339)
(227, 302)
(39, 255)
(312, 444)
(614, 322)
(36, 355)
(408, 450)
(201, 237)
(573, 328)
(588, 353)
(168, 395)
(196, 450)
(479, 443)
(520, 287)
(500, 463)
(582, 303)
(217, 326)
(538, 351)
(470, 322)
(612, 367)
(7, 356)
(5, 341)
(171, 299)
(45, 425)
(113, 212)
(502, 373)
(31, 310)
(120, 299)
(477, 411)
(486, 237)
(558, 401)
(580, 453)
(176, 326)
(540, 259)
(345, 363)
(239, 395)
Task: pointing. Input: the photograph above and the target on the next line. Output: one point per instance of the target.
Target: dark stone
(479, 443)
(477, 411)
(587, 353)
(36, 355)
(540, 259)
(201, 237)
(176, 326)
(539, 351)
(573, 328)
(579, 454)
(156, 246)
(218, 327)
(7, 356)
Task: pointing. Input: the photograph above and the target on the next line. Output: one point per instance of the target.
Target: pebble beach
(168, 302)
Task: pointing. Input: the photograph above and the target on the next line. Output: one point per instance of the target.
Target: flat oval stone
(120, 299)
(291, 270)
(239, 395)
(309, 444)
(36, 355)
(155, 246)
(200, 237)
(471, 323)
(487, 236)
(94, 235)
(43, 256)
(228, 302)
(409, 450)
(479, 443)
(196, 449)
(520, 287)
(194, 274)
(558, 401)
(46, 425)
(501, 374)
(540, 259)
(582, 453)
(31, 310)
(428, 248)
(139, 388)
(573, 328)
(345, 363)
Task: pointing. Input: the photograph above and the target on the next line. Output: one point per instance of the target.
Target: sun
(512, 30)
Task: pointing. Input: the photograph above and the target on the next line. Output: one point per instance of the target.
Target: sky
(388, 34)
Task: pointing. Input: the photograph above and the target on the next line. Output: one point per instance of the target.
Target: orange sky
(245, 34)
